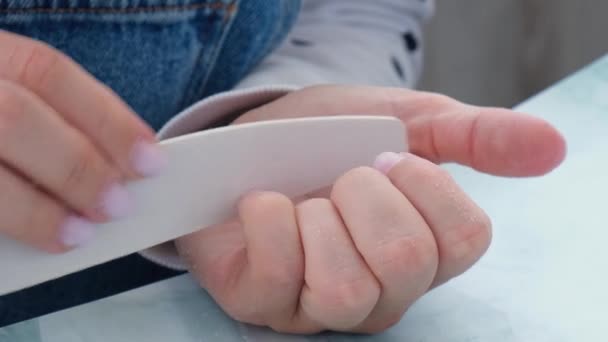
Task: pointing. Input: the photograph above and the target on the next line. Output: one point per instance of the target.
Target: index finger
(82, 101)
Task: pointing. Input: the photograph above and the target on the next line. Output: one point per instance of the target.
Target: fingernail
(76, 231)
(148, 159)
(116, 202)
(387, 160)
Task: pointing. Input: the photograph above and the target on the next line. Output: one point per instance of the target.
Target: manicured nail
(148, 159)
(387, 160)
(76, 231)
(116, 202)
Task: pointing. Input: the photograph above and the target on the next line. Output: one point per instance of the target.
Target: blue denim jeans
(160, 56)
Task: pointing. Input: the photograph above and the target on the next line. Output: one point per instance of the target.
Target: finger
(496, 141)
(31, 217)
(84, 102)
(274, 253)
(439, 128)
(340, 291)
(52, 154)
(461, 229)
(259, 284)
(217, 256)
(393, 239)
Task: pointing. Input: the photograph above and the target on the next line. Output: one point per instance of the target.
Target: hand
(67, 143)
(356, 259)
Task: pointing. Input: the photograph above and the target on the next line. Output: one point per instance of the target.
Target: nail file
(206, 173)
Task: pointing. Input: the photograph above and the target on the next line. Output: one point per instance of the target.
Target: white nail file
(206, 174)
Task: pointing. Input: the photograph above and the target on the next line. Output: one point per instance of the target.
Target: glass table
(545, 277)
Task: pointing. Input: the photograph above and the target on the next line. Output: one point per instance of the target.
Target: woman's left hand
(356, 259)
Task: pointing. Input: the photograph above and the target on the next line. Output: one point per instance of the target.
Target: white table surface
(545, 277)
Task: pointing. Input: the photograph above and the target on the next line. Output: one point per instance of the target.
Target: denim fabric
(160, 56)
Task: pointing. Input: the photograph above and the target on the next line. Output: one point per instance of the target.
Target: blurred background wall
(500, 52)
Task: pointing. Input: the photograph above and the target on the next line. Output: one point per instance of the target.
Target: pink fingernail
(76, 231)
(387, 160)
(148, 159)
(116, 202)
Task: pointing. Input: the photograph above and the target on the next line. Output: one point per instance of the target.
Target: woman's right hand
(67, 145)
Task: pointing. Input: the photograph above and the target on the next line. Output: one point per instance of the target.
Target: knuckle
(353, 179)
(470, 242)
(351, 300)
(12, 107)
(418, 101)
(39, 60)
(408, 254)
(480, 233)
(223, 276)
(280, 275)
(264, 201)
(101, 123)
(433, 101)
(360, 174)
(425, 172)
(433, 171)
(78, 171)
(235, 309)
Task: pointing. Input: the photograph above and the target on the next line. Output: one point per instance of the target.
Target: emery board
(206, 173)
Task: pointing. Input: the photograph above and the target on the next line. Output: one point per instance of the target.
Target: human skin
(355, 256)
(352, 257)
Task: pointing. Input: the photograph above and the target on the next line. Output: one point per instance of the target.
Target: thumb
(491, 140)
(440, 129)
